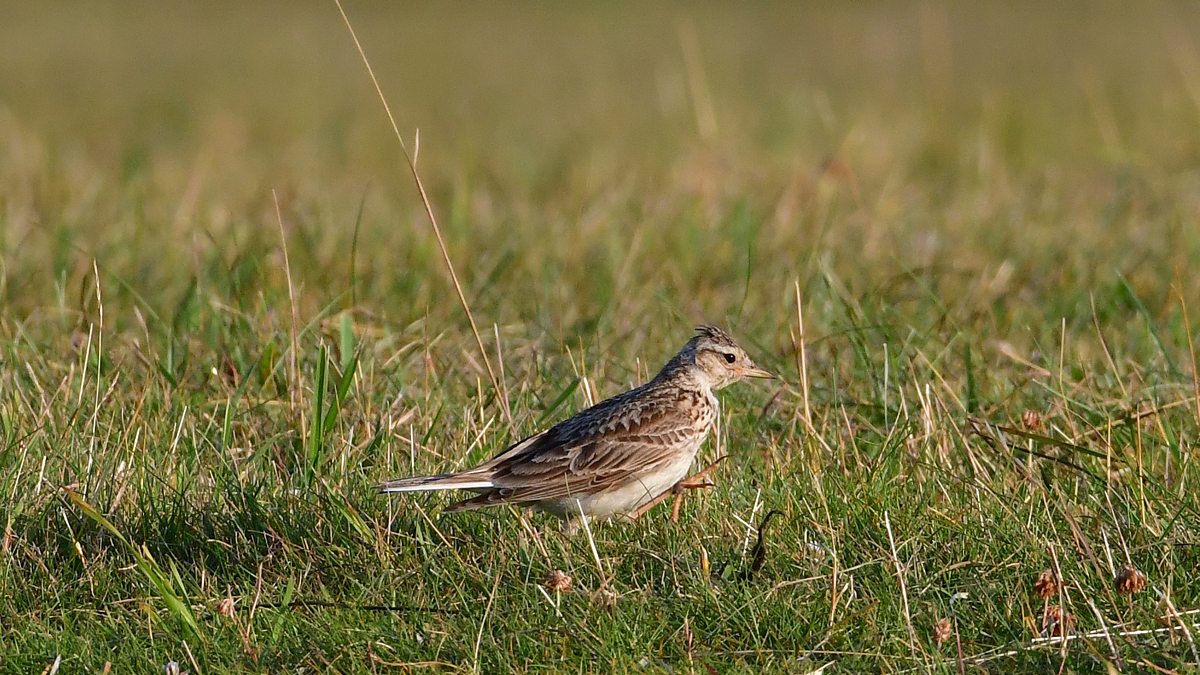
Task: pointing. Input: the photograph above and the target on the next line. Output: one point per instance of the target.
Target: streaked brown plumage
(616, 455)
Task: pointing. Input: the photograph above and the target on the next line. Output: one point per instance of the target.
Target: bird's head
(716, 359)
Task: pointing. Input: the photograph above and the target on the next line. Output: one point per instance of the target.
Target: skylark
(617, 457)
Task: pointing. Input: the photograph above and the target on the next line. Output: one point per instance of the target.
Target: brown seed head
(942, 630)
(1056, 622)
(557, 581)
(1130, 580)
(225, 607)
(1046, 585)
(1032, 420)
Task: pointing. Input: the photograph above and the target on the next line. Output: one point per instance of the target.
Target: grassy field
(224, 317)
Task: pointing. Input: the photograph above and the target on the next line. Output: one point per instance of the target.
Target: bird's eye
(730, 358)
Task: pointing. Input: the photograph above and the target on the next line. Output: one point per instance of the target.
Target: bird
(619, 456)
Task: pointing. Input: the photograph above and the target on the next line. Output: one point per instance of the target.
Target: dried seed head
(225, 607)
(1046, 585)
(1056, 622)
(942, 630)
(1130, 580)
(557, 581)
(1032, 420)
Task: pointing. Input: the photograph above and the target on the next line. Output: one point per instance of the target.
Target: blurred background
(693, 159)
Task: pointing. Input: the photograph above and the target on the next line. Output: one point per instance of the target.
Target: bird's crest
(715, 334)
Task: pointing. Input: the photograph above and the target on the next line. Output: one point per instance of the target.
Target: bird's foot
(698, 480)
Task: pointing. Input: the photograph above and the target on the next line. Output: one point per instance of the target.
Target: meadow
(964, 235)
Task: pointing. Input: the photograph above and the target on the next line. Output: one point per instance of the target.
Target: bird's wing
(604, 446)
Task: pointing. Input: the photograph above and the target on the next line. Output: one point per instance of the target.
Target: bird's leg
(700, 478)
(641, 510)
(696, 480)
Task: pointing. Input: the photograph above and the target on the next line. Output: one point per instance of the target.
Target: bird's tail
(443, 481)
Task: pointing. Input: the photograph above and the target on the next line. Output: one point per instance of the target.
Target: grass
(986, 215)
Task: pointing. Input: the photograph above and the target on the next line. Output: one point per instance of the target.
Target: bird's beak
(757, 372)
